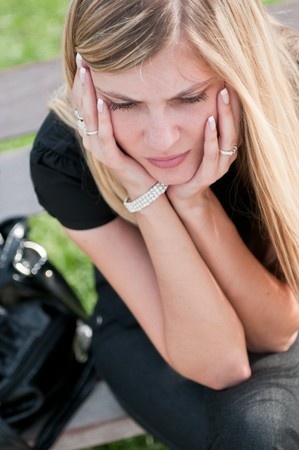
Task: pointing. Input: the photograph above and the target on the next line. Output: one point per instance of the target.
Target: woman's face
(159, 111)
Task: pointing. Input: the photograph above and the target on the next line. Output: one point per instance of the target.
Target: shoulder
(62, 180)
(55, 143)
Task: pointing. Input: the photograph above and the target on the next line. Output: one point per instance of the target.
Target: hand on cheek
(219, 150)
(96, 130)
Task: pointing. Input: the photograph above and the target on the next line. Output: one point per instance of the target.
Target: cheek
(196, 121)
(124, 131)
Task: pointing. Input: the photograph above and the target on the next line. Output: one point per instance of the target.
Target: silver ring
(82, 126)
(229, 152)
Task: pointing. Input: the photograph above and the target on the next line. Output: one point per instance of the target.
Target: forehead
(172, 70)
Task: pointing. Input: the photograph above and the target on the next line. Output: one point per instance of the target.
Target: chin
(175, 178)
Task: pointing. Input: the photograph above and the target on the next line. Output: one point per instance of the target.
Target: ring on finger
(230, 152)
(83, 128)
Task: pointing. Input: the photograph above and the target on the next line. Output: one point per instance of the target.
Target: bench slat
(17, 195)
(24, 95)
(99, 420)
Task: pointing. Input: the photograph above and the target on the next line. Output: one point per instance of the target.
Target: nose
(161, 132)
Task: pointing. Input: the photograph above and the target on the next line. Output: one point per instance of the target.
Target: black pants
(259, 414)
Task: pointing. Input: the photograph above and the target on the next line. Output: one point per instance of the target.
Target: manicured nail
(82, 74)
(225, 96)
(79, 60)
(212, 123)
(100, 105)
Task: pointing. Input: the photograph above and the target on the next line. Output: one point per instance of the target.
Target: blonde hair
(245, 48)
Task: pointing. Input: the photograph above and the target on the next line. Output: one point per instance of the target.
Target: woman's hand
(101, 144)
(214, 164)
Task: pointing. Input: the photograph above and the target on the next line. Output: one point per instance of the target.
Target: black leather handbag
(46, 369)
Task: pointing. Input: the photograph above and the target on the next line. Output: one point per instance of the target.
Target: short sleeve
(62, 181)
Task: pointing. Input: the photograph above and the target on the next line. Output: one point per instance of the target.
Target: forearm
(203, 335)
(265, 305)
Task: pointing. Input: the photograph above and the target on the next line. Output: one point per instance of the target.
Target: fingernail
(82, 74)
(79, 60)
(100, 105)
(212, 123)
(225, 96)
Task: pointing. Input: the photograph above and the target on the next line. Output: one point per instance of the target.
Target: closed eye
(195, 99)
(127, 105)
(184, 100)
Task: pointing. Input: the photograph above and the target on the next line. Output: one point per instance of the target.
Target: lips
(169, 162)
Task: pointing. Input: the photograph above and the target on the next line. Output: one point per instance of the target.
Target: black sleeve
(62, 181)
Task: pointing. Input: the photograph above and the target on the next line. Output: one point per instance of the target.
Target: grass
(31, 31)
(17, 142)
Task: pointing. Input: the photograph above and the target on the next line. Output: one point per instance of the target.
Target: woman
(171, 160)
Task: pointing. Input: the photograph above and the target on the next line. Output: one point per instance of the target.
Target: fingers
(229, 113)
(88, 102)
(94, 122)
(221, 137)
(77, 86)
(84, 99)
(208, 171)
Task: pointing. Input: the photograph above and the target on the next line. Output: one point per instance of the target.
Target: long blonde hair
(245, 48)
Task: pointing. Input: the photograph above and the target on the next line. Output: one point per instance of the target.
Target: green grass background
(31, 31)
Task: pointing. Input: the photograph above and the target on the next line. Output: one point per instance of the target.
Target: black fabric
(62, 180)
(259, 414)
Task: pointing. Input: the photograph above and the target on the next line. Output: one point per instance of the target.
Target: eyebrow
(183, 93)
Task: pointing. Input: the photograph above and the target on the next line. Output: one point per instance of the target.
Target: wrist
(144, 200)
(195, 203)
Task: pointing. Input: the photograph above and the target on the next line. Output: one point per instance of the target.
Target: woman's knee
(263, 424)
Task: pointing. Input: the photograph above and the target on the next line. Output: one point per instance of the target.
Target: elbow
(285, 344)
(290, 342)
(236, 376)
(280, 345)
(215, 375)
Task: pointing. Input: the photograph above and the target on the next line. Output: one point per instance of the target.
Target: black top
(62, 180)
(66, 189)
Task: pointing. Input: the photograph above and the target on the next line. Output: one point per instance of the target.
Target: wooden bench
(24, 93)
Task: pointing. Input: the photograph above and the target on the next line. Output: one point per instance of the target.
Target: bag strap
(11, 233)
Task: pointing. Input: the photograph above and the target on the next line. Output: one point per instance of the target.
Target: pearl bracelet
(145, 199)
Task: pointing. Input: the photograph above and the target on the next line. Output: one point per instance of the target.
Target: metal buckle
(29, 258)
(82, 341)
